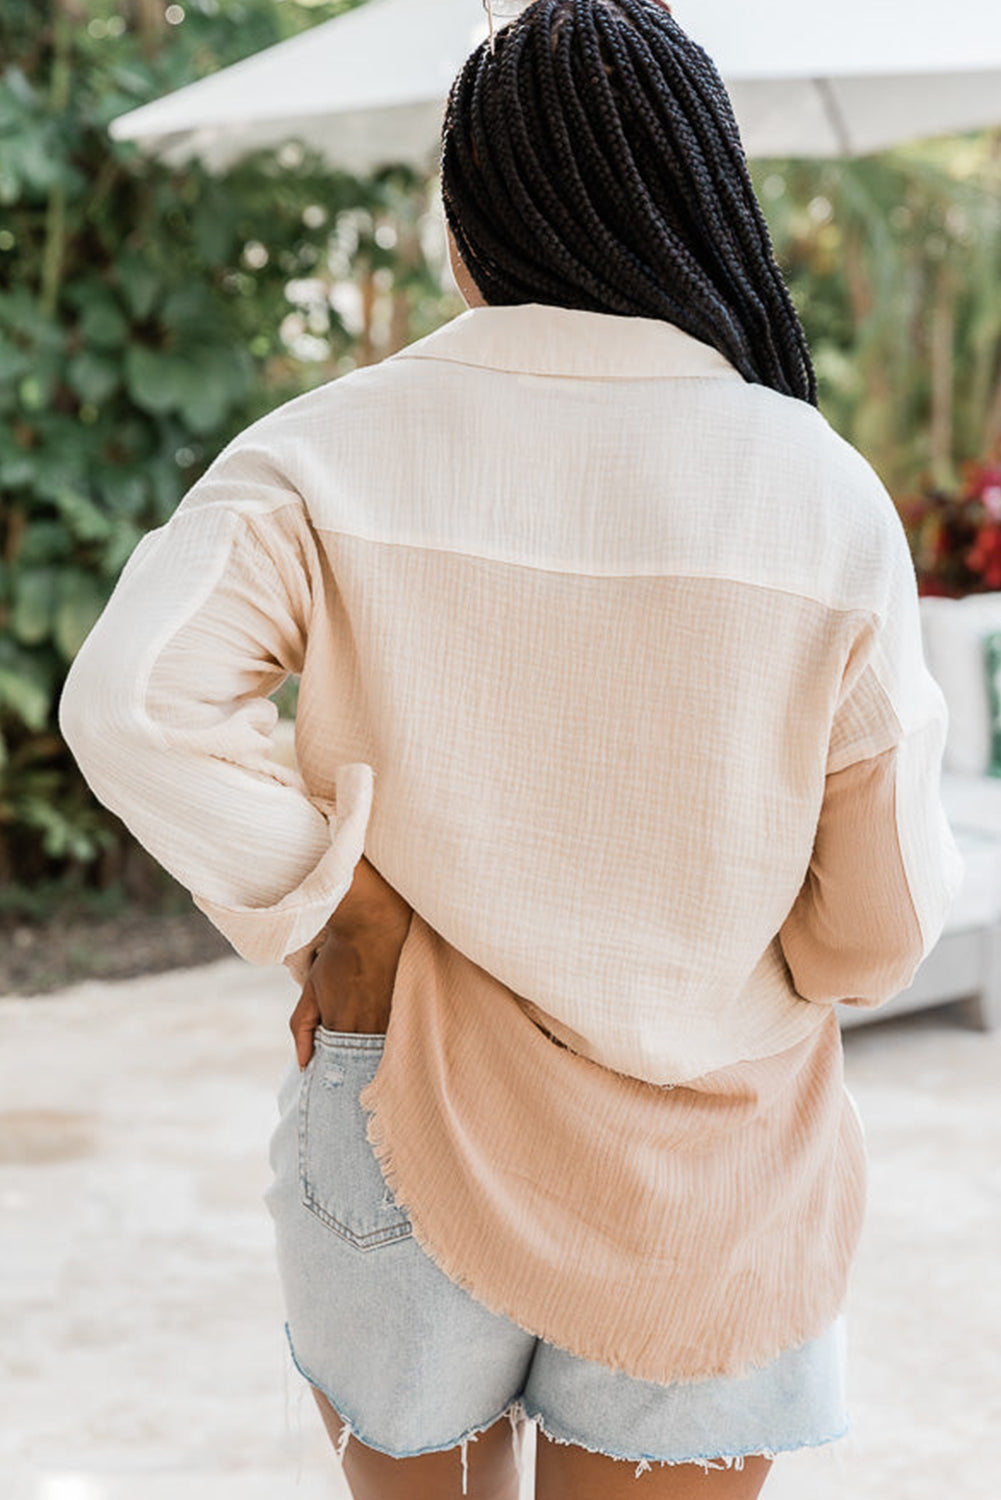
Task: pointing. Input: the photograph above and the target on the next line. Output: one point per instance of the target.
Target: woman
(617, 766)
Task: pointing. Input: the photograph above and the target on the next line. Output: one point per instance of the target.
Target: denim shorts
(413, 1363)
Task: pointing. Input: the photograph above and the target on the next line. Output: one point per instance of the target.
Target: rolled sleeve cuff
(270, 934)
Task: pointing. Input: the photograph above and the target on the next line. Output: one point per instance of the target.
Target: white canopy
(369, 87)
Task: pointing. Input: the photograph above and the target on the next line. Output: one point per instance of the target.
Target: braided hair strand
(591, 159)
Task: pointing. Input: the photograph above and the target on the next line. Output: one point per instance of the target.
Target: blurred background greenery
(147, 314)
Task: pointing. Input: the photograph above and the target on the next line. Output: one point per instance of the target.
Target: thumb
(304, 1021)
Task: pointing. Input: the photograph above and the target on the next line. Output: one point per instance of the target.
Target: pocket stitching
(372, 1239)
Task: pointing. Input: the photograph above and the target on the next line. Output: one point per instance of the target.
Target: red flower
(934, 586)
(988, 477)
(984, 557)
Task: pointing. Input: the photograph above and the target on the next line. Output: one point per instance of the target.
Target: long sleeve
(885, 868)
(166, 710)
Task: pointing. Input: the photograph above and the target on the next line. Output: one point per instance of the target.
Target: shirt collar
(539, 338)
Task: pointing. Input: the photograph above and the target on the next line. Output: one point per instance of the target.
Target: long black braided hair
(591, 159)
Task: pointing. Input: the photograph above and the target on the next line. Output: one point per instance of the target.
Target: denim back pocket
(339, 1173)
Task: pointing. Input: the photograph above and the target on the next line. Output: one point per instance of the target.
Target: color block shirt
(611, 664)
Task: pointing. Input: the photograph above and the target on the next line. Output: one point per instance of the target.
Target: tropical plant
(895, 266)
(146, 315)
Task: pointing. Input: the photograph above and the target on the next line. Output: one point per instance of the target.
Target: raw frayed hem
(376, 1138)
(706, 1461)
(519, 1416)
(514, 1411)
(381, 1149)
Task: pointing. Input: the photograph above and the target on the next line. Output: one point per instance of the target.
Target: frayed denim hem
(513, 1411)
(517, 1412)
(716, 1460)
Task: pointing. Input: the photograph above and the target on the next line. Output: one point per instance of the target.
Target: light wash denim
(413, 1363)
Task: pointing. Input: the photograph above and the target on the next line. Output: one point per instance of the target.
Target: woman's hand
(349, 985)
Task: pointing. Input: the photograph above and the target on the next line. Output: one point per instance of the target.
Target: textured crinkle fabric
(674, 1233)
(611, 663)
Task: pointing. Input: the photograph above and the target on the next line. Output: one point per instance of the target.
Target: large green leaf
(26, 699)
(21, 313)
(14, 362)
(188, 310)
(218, 381)
(31, 164)
(140, 283)
(123, 491)
(34, 591)
(19, 90)
(44, 542)
(64, 834)
(103, 323)
(157, 380)
(80, 597)
(26, 688)
(201, 383)
(86, 521)
(93, 376)
(57, 469)
(17, 467)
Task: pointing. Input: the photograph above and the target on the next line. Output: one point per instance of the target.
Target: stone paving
(142, 1355)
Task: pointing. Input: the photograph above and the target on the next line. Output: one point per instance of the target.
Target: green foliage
(148, 314)
(144, 319)
(895, 265)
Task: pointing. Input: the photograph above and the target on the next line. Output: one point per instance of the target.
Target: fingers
(303, 1022)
